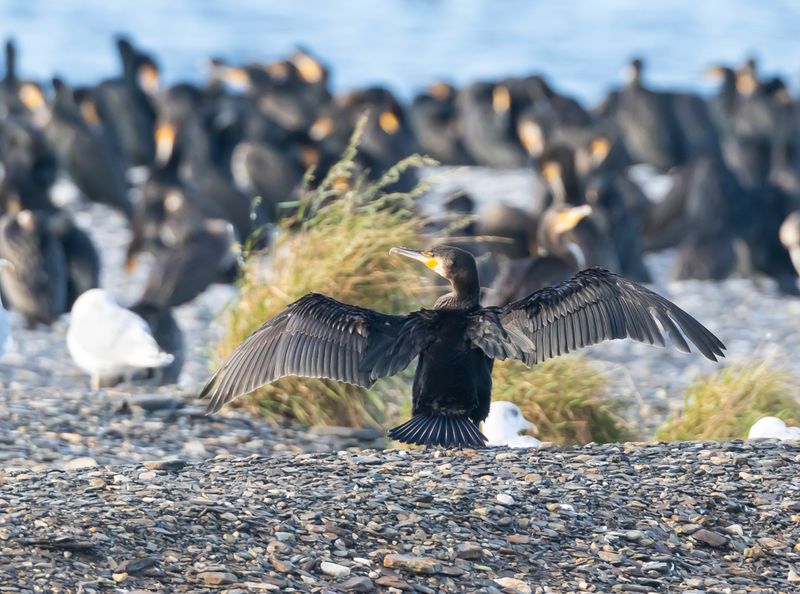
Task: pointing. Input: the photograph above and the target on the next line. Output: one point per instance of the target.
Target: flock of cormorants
(197, 167)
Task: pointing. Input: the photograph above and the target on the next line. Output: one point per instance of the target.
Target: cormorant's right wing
(593, 306)
(318, 336)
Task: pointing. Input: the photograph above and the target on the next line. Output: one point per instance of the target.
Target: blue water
(581, 45)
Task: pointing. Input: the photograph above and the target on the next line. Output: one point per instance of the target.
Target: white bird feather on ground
(105, 339)
(503, 425)
(772, 428)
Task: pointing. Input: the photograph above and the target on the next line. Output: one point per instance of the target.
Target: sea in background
(581, 45)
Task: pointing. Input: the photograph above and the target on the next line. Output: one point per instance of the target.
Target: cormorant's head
(447, 261)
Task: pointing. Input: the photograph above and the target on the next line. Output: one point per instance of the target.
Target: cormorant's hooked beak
(569, 218)
(165, 142)
(425, 257)
(551, 171)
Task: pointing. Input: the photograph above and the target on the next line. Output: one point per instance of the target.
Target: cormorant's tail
(441, 430)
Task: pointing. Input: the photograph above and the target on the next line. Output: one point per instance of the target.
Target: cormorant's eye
(514, 413)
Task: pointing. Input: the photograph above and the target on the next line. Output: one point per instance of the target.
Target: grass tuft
(726, 404)
(337, 243)
(566, 398)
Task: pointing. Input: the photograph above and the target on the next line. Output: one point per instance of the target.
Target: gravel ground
(691, 517)
(91, 502)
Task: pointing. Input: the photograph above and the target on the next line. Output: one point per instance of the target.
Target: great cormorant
(456, 342)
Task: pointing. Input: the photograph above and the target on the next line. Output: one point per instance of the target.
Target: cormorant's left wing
(318, 336)
(593, 306)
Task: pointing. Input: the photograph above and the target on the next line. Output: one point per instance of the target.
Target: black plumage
(456, 342)
(81, 259)
(202, 256)
(87, 157)
(168, 335)
(125, 110)
(36, 284)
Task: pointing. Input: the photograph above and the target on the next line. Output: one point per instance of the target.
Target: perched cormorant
(203, 255)
(434, 119)
(87, 157)
(456, 342)
(647, 125)
(36, 285)
(486, 116)
(125, 109)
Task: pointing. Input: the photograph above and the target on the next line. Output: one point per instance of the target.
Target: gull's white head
(504, 423)
(772, 428)
(91, 299)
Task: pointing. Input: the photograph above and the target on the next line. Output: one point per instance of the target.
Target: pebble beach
(693, 517)
(134, 489)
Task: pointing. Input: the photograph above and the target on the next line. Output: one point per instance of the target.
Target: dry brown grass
(566, 398)
(337, 244)
(726, 404)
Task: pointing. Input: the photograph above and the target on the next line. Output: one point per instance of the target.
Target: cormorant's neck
(466, 293)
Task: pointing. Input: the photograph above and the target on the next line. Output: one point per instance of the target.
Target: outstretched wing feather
(318, 336)
(593, 306)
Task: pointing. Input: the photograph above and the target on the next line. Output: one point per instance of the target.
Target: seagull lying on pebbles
(503, 425)
(772, 428)
(105, 339)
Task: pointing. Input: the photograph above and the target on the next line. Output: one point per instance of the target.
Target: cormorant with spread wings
(455, 343)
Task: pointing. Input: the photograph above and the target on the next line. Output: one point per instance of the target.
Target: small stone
(393, 581)
(513, 585)
(412, 563)
(610, 557)
(554, 507)
(358, 583)
(367, 460)
(519, 539)
(735, 530)
(134, 566)
(334, 569)
(469, 550)
(709, 537)
(687, 528)
(654, 566)
(505, 499)
(80, 463)
(217, 578)
(792, 576)
(171, 464)
(194, 448)
(771, 543)
(153, 402)
(280, 565)
(148, 475)
(119, 577)
(633, 535)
